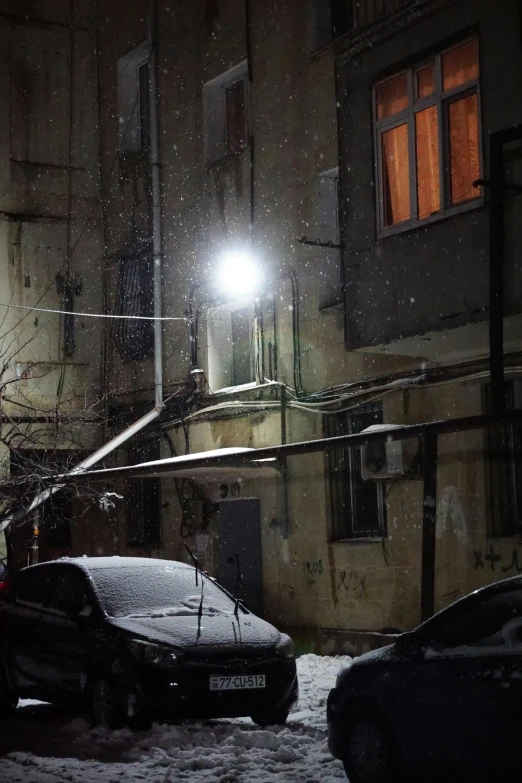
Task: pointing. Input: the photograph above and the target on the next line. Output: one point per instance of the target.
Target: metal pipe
(429, 521)
(284, 468)
(107, 448)
(496, 271)
(157, 239)
(402, 432)
(497, 142)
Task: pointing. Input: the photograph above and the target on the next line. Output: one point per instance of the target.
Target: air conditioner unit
(389, 459)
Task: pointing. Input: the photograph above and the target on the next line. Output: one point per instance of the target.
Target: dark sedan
(446, 698)
(138, 638)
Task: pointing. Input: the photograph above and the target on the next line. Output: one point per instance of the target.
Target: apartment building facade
(50, 251)
(341, 151)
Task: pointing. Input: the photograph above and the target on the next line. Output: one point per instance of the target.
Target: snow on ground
(221, 751)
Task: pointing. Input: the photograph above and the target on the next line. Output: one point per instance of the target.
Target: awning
(218, 465)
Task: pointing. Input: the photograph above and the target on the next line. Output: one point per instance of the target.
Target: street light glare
(239, 274)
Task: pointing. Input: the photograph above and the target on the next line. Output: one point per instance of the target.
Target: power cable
(93, 315)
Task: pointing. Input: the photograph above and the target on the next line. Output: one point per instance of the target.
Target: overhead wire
(95, 315)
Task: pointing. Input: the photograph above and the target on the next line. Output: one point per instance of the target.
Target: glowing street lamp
(239, 274)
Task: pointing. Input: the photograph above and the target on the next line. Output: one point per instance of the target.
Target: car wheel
(371, 753)
(8, 699)
(108, 707)
(271, 718)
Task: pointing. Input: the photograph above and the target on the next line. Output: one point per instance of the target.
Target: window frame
(66, 573)
(441, 99)
(215, 116)
(459, 612)
(129, 101)
(220, 346)
(348, 458)
(145, 521)
(328, 229)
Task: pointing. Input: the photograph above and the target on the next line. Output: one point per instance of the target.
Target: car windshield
(157, 591)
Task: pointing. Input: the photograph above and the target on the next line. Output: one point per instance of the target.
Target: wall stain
(333, 580)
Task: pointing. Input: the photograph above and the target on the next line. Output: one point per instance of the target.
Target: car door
(459, 697)
(22, 628)
(64, 632)
(475, 657)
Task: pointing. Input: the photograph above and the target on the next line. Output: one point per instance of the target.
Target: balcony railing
(364, 13)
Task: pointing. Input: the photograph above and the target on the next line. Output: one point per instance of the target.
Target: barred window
(358, 507)
(145, 500)
(134, 338)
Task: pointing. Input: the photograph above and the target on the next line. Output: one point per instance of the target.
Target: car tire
(371, 751)
(108, 703)
(271, 718)
(8, 699)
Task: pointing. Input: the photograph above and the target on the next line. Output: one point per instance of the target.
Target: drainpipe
(284, 466)
(156, 208)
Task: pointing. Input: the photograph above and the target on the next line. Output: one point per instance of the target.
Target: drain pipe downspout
(156, 208)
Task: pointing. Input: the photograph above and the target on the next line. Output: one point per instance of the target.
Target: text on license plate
(237, 682)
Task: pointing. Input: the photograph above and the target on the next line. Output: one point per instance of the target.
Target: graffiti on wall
(345, 580)
(352, 582)
(494, 560)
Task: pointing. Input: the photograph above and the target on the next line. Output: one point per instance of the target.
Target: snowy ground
(49, 746)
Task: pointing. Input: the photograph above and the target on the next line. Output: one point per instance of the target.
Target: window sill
(404, 228)
(359, 540)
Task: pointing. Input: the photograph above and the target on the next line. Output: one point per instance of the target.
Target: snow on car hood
(219, 630)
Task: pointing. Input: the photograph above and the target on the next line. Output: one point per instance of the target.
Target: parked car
(140, 638)
(6, 583)
(446, 697)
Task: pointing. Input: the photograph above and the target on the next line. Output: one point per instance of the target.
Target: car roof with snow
(115, 561)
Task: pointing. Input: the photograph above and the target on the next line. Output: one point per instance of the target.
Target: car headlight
(155, 654)
(285, 647)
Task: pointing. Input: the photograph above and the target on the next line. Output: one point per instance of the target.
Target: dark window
(33, 585)
(235, 117)
(68, 594)
(494, 621)
(145, 500)
(505, 471)
(56, 519)
(428, 137)
(144, 105)
(134, 338)
(241, 346)
(358, 506)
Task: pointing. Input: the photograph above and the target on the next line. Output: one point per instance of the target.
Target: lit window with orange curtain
(427, 129)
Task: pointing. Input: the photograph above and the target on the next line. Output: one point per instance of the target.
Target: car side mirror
(410, 645)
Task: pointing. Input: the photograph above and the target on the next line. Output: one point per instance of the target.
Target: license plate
(237, 682)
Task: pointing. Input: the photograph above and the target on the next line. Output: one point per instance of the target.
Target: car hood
(214, 632)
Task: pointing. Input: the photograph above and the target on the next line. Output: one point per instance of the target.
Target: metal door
(240, 534)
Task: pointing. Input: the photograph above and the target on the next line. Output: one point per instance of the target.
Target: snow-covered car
(139, 638)
(444, 700)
